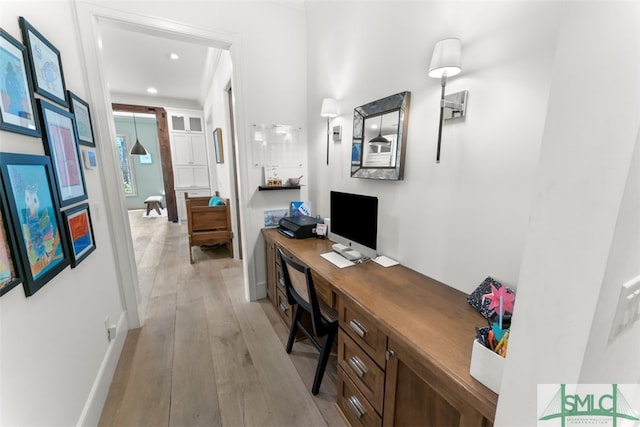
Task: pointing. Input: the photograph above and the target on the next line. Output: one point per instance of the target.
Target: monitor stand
(350, 254)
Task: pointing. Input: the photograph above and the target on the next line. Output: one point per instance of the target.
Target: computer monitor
(354, 222)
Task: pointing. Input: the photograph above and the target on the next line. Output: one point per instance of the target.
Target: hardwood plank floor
(206, 356)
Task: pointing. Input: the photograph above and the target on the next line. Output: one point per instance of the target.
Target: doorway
(91, 19)
(165, 152)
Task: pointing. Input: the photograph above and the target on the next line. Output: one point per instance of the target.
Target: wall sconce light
(445, 62)
(329, 110)
(137, 149)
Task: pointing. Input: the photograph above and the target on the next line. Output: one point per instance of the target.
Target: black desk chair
(324, 319)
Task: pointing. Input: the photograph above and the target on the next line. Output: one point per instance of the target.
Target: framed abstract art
(32, 204)
(59, 137)
(79, 232)
(82, 115)
(46, 64)
(10, 268)
(17, 108)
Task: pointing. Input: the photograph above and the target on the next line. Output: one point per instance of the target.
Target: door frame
(88, 19)
(233, 172)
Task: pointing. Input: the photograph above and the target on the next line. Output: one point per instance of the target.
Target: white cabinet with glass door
(185, 121)
(189, 155)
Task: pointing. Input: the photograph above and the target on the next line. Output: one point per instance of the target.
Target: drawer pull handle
(358, 367)
(283, 307)
(358, 328)
(356, 406)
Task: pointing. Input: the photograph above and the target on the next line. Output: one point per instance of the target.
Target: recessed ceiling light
(174, 56)
(152, 90)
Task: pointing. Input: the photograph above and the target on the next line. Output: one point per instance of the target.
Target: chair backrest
(300, 289)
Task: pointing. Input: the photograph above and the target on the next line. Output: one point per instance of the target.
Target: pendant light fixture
(137, 149)
(379, 139)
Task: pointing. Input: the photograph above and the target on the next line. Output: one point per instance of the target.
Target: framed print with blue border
(35, 214)
(46, 64)
(81, 113)
(10, 268)
(59, 138)
(79, 232)
(17, 108)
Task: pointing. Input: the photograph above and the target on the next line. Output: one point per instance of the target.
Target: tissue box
(486, 366)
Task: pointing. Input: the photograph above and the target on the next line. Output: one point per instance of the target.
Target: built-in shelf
(284, 187)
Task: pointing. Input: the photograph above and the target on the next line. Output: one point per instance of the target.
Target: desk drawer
(324, 290)
(283, 308)
(354, 406)
(362, 370)
(362, 328)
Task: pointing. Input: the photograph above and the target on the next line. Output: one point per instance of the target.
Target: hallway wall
(53, 345)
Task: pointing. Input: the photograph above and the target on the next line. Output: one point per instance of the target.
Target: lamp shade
(329, 108)
(445, 60)
(138, 149)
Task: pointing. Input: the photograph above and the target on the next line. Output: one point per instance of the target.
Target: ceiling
(135, 60)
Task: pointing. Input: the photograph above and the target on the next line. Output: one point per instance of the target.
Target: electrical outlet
(111, 329)
(628, 311)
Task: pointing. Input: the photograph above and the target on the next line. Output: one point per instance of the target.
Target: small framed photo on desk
(321, 230)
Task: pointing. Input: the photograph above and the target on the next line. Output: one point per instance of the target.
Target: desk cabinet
(366, 375)
(416, 394)
(396, 367)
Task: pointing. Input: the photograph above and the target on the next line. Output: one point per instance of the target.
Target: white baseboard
(98, 395)
(261, 290)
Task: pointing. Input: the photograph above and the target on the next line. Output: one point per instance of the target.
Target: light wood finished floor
(205, 356)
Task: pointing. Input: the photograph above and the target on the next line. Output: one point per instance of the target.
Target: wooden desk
(426, 330)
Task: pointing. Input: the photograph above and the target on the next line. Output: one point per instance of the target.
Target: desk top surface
(431, 318)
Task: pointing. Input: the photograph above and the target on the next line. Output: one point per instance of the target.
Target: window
(126, 168)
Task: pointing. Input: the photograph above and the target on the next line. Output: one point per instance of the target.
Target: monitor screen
(354, 221)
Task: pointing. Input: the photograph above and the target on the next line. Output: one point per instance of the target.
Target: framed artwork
(35, 214)
(272, 217)
(217, 145)
(10, 268)
(80, 110)
(46, 64)
(60, 143)
(17, 109)
(79, 232)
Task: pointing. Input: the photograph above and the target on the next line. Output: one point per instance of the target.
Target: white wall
(531, 182)
(53, 345)
(619, 360)
(465, 218)
(575, 259)
(216, 116)
(54, 349)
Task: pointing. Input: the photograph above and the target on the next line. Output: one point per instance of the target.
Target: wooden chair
(208, 225)
(301, 293)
